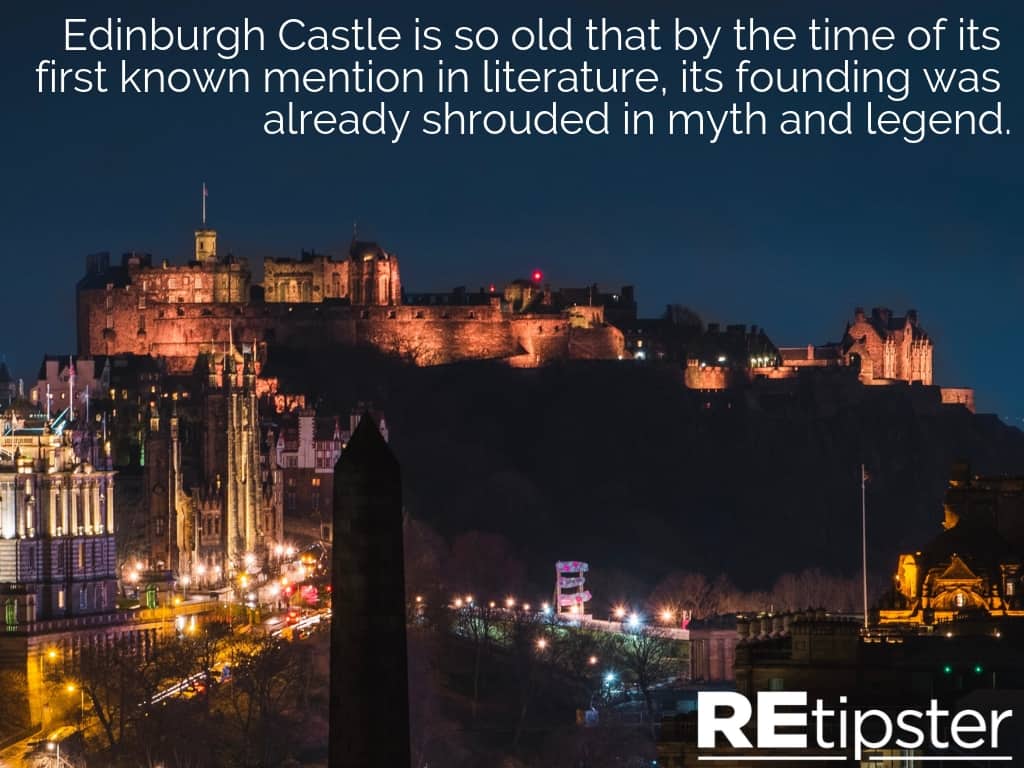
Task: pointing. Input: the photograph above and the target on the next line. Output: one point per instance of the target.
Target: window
(959, 599)
(83, 598)
(1010, 589)
(60, 598)
(775, 684)
(81, 555)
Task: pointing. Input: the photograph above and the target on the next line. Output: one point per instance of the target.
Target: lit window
(959, 599)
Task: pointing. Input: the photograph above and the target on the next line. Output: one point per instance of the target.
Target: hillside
(619, 464)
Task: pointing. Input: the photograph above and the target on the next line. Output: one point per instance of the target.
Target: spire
(205, 195)
(71, 388)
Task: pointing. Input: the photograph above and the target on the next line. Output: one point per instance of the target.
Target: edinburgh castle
(181, 312)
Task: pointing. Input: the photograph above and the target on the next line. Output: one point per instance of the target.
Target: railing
(139, 616)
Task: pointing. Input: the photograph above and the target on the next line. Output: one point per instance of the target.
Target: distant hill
(617, 463)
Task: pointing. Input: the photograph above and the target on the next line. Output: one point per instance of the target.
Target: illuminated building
(180, 312)
(306, 450)
(57, 552)
(974, 567)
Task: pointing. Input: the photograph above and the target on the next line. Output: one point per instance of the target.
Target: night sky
(790, 234)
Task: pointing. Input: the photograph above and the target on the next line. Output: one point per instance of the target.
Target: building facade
(369, 276)
(974, 567)
(57, 551)
(181, 312)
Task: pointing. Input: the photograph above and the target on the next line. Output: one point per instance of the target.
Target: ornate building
(57, 553)
(179, 313)
(974, 566)
(884, 347)
(881, 349)
(308, 447)
(368, 276)
(223, 513)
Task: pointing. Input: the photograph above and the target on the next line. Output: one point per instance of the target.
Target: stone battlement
(142, 310)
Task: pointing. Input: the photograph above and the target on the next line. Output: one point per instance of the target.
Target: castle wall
(958, 396)
(112, 323)
(710, 377)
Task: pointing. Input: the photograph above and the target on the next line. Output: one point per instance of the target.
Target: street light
(619, 612)
(667, 615)
(50, 655)
(71, 688)
(634, 620)
(542, 644)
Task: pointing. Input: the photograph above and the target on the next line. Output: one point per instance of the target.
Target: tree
(267, 676)
(577, 651)
(425, 552)
(686, 591)
(113, 680)
(647, 655)
(476, 622)
(522, 630)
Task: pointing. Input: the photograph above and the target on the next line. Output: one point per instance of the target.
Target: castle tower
(206, 246)
(206, 239)
(369, 673)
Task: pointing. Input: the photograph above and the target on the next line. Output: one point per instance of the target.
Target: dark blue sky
(790, 234)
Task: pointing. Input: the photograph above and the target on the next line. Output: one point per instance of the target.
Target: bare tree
(522, 630)
(267, 677)
(476, 623)
(688, 591)
(647, 654)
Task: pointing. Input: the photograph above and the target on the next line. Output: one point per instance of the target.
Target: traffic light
(978, 669)
(947, 669)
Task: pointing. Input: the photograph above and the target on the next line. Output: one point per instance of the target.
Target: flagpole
(864, 539)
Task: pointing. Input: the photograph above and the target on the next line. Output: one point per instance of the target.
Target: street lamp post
(50, 655)
(71, 688)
